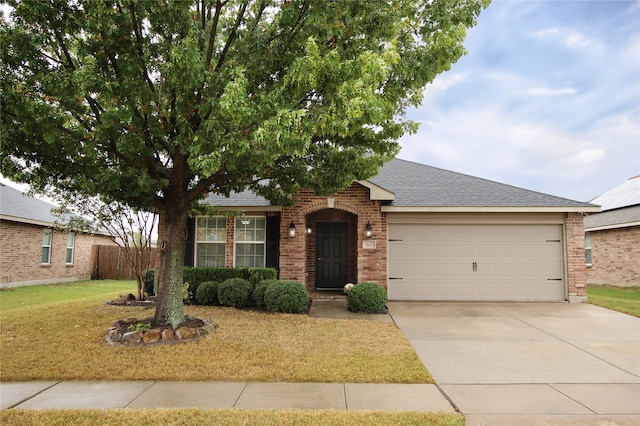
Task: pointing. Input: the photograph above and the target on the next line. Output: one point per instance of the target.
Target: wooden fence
(110, 263)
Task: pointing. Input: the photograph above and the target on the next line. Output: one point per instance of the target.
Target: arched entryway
(331, 249)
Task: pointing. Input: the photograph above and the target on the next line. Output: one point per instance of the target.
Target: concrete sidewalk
(149, 394)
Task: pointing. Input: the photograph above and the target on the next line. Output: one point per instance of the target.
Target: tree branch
(232, 35)
(213, 32)
(138, 34)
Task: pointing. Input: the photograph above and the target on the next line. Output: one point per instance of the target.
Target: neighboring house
(612, 237)
(32, 251)
(423, 233)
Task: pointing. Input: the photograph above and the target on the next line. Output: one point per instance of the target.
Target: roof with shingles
(24, 208)
(419, 185)
(627, 216)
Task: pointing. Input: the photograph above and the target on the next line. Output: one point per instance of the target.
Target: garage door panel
(476, 262)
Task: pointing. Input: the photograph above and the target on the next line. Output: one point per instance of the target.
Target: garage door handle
(474, 266)
(554, 279)
(395, 278)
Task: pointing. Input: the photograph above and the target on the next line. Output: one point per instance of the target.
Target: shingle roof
(24, 208)
(20, 207)
(418, 185)
(627, 216)
(237, 199)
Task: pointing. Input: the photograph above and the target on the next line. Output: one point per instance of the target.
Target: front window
(587, 248)
(250, 242)
(46, 247)
(71, 245)
(211, 239)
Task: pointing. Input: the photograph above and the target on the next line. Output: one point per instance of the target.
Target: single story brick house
(32, 251)
(612, 237)
(423, 233)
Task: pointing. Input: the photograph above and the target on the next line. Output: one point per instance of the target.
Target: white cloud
(571, 38)
(443, 83)
(543, 91)
(553, 107)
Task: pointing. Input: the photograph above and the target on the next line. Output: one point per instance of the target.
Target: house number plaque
(369, 244)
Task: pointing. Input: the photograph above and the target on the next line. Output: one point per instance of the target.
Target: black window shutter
(191, 240)
(272, 258)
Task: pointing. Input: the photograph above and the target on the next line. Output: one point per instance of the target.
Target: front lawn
(64, 340)
(230, 417)
(621, 299)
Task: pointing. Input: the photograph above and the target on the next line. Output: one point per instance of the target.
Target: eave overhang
(377, 192)
(481, 209)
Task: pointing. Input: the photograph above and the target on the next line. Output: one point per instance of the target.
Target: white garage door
(475, 262)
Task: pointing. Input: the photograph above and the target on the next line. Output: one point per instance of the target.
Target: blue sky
(547, 98)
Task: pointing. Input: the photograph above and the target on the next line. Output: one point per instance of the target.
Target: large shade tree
(154, 104)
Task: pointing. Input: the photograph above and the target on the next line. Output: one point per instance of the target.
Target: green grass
(621, 299)
(230, 417)
(54, 339)
(20, 297)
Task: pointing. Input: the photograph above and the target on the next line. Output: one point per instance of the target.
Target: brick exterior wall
(21, 254)
(576, 267)
(352, 206)
(615, 256)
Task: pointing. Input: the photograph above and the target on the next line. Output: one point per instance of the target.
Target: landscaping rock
(192, 329)
(186, 333)
(167, 334)
(131, 337)
(152, 336)
(114, 335)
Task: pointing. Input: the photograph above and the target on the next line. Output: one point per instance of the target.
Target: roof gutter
(480, 209)
(612, 226)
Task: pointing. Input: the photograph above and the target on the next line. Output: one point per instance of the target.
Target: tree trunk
(169, 303)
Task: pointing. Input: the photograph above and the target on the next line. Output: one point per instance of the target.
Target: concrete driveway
(529, 363)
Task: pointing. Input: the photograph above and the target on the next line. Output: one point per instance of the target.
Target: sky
(547, 99)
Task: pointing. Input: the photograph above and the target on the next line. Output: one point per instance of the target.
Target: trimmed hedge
(207, 293)
(258, 292)
(286, 296)
(198, 275)
(235, 292)
(367, 297)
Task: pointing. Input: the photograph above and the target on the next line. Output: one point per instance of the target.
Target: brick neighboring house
(613, 236)
(423, 233)
(32, 252)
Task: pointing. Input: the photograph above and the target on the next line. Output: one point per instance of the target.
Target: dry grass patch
(225, 417)
(65, 341)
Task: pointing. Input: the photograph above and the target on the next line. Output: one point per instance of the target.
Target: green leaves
(144, 102)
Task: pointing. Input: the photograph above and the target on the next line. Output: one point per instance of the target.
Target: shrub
(196, 276)
(207, 293)
(367, 297)
(147, 278)
(255, 275)
(186, 293)
(286, 296)
(235, 292)
(259, 290)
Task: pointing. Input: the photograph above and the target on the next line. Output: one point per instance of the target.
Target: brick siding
(21, 254)
(576, 267)
(353, 205)
(615, 256)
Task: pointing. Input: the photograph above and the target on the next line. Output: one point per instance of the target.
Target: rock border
(193, 329)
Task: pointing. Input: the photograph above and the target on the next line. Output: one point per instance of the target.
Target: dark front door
(331, 254)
